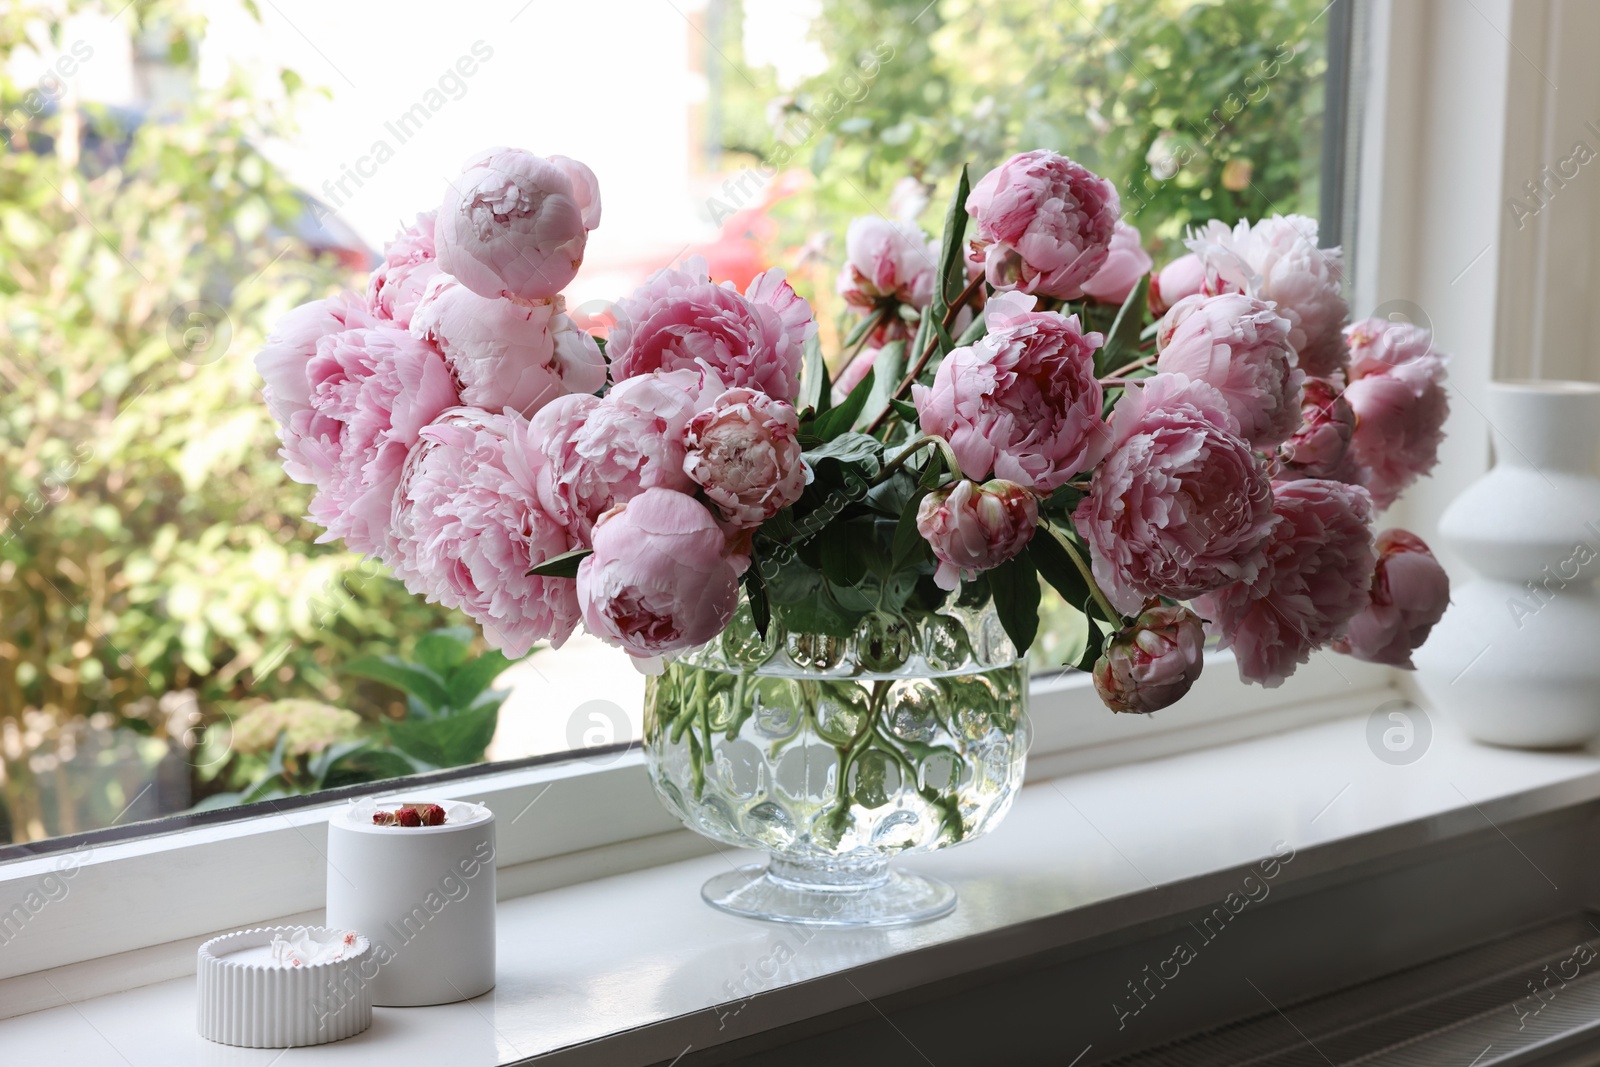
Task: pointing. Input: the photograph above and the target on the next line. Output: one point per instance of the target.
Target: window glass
(175, 176)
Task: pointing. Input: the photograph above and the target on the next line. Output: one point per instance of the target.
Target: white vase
(1516, 659)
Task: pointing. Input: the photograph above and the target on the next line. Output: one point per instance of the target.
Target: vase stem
(841, 874)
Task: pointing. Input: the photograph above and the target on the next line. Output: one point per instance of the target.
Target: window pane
(171, 633)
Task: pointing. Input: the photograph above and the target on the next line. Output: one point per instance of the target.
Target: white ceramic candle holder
(247, 999)
(424, 896)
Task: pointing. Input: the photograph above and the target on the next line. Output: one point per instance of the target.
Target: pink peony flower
(973, 527)
(1240, 345)
(570, 489)
(469, 524)
(1184, 276)
(1318, 449)
(887, 261)
(1278, 259)
(1409, 593)
(659, 579)
(377, 388)
(609, 451)
(508, 355)
(1400, 412)
(1044, 224)
(515, 224)
(310, 441)
(744, 452)
(1152, 663)
(408, 266)
(1181, 505)
(1175, 316)
(1318, 564)
(1023, 402)
(1125, 264)
(679, 319)
(1378, 346)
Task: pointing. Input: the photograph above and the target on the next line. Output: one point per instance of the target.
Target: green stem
(699, 750)
(858, 744)
(1113, 616)
(888, 745)
(927, 353)
(899, 460)
(873, 321)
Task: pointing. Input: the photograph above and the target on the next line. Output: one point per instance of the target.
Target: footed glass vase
(834, 754)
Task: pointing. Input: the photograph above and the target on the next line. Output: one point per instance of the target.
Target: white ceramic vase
(1516, 659)
(423, 895)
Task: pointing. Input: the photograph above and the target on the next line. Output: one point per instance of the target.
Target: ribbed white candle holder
(246, 999)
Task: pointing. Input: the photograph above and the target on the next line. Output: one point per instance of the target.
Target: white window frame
(1441, 90)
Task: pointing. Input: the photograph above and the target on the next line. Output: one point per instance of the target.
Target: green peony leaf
(835, 421)
(815, 388)
(1015, 588)
(1122, 342)
(564, 565)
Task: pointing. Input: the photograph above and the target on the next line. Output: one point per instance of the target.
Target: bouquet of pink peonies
(1194, 451)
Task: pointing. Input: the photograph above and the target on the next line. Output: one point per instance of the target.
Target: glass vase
(834, 754)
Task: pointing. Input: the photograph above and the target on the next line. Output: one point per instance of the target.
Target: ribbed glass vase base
(882, 898)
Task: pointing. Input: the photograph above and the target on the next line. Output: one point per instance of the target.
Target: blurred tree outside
(155, 579)
(1194, 109)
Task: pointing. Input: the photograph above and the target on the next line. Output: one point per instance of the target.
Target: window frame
(210, 874)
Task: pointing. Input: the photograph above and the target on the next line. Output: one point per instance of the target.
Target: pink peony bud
(853, 374)
(1023, 401)
(660, 579)
(1319, 447)
(514, 224)
(1410, 592)
(1151, 664)
(1181, 504)
(1239, 345)
(408, 266)
(1125, 264)
(973, 527)
(508, 355)
(1318, 567)
(1184, 276)
(745, 453)
(887, 261)
(1044, 224)
(1278, 259)
(679, 319)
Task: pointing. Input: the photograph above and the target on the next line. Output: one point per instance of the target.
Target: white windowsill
(558, 824)
(638, 963)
